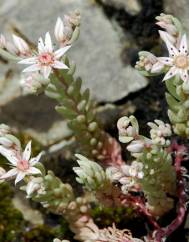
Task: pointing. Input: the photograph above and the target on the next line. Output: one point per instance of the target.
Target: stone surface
(32, 215)
(179, 9)
(97, 54)
(133, 7)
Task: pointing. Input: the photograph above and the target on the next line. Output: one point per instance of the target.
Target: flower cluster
(176, 64)
(42, 59)
(159, 131)
(148, 183)
(152, 172)
(21, 162)
(175, 68)
(126, 176)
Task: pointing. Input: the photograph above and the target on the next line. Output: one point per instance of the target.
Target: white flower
(165, 21)
(149, 62)
(21, 46)
(127, 129)
(4, 129)
(136, 170)
(59, 30)
(159, 130)
(178, 60)
(32, 83)
(136, 146)
(21, 162)
(46, 59)
(35, 184)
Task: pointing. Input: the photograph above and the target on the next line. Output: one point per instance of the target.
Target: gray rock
(34, 216)
(179, 9)
(97, 54)
(131, 6)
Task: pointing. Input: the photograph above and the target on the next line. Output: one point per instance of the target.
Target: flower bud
(59, 30)
(136, 146)
(4, 129)
(21, 46)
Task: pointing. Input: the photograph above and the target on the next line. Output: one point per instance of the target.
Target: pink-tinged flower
(35, 184)
(21, 162)
(22, 47)
(33, 83)
(166, 22)
(178, 60)
(59, 30)
(63, 31)
(2, 41)
(46, 59)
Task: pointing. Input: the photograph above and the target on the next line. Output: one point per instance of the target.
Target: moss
(11, 220)
(39, 234)
(106, 216)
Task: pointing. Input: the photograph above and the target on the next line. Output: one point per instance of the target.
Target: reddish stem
(181, 211)
(139, 204)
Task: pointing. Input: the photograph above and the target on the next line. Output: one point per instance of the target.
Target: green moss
(107, 216)
(11, 220)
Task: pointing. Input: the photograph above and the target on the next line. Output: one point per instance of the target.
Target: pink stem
(165, 232)
(140, 205)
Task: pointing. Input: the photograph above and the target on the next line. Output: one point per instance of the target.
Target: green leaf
(134, 122)
(67, 103)
(69, 114)
(86, 95)
(172, 102)
(77, 89)
(171, 88)
(75, 35)
(125, 139)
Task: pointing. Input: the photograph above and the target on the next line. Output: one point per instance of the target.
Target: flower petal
(33, 170)
(5, 142)
(27, 152)
(32, 68)
(19, 177)
(183, 49)
(59, 29)
(9, 155)
(157, 67)
(28, 61)
(60, 52)
(36, 159)
(20, 44)
(172, 72)
(41, 46)
(184, 75)
(9, 174)
(166, 60)
(46, 70)
(48, 43)
(59, 65)
(171, 48)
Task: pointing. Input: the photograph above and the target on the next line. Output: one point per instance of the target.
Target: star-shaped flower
(178, 60)
(21, 162)
(46, 59)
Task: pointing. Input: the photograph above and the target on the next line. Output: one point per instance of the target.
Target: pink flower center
(182, 61)
(23, 165)
(46, 59)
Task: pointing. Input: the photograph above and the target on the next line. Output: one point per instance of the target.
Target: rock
(179, 9)
(32, 215)
(133, 7)
(97, 54)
